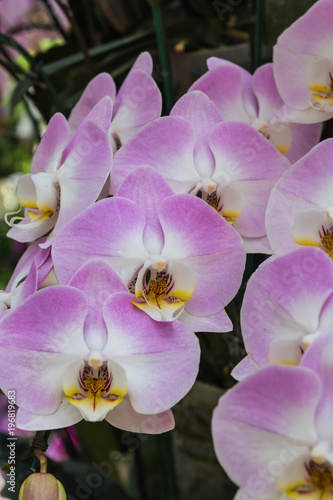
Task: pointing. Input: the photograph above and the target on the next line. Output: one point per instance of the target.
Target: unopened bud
(42, 486)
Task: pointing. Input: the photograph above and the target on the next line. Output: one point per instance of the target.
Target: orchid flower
(229, 165)
(273, 432)
(31, 271)
(137, 102)
(84, 351)
(300, 211)
(14, 296)
(303, 65)
(255, 100)
(66, 176)
(175, 254)
(287, 306)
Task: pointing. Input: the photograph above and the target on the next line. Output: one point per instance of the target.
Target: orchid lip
(98, 387)
(165, 287)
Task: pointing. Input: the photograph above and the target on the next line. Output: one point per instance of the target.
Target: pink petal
(160, 359)
(44, 335)
(115, 226)
(84, 172)
(172, 158)
(64, 416)
(229, 87)
(138, 102)
(126, 418)
(48, 154)
(203, 115)
(97, 281)
(268, 417)
(206, 243)
(147, 189)
(102, 85)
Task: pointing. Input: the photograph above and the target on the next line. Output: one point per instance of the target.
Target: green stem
(94, 52)
(258, 32)
(168, 478)
(163, 53)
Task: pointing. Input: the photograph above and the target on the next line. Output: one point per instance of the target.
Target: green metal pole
(258, 33)
(163, 53)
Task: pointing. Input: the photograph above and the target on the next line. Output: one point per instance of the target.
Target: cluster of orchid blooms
(138, 228)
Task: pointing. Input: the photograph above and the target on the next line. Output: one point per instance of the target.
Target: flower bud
(42, 486)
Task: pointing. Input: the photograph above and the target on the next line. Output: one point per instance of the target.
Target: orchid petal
(264, 87)
(100, 86)
(152, 354)
(97, 281)
(319, 358)
(283, 302)
(212, 248)
(304, 138)
(48, 154)
(173, 158)
(229, 87)
(84, 172)
(268, 417)
(290, 72)
(311, 33)
(301, 188)
(307, 226)
(64, 416)
(25, 289)
(126, 418)
(100, 115)
(42, 257)
(145, 187)
(218, 322)
(32, 227)
(116, 228)
(45, 345)
(202, 113)
(143, 62)
(257, 245)
(138, 102)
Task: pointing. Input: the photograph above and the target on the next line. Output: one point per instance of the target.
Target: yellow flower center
(94, 385)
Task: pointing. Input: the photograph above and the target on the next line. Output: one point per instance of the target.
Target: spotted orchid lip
(165, 287)
(95, 387)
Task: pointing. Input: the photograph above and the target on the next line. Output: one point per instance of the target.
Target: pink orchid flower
(137, 102)
(255, 100)
(273, 432)
(303, 65)
(287, 306)
(84, 351)
(300, 208)
(66, 175)
(174, 253)
(229, 165)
